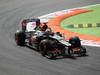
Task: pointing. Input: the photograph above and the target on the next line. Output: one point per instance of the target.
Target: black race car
(49, 44)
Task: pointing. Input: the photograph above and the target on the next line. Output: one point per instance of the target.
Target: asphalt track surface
(15, 60)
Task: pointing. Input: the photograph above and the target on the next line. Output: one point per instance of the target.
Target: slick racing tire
(43, 47)
(83, 50)
(49, 55)
(70, 51)
(20, 38)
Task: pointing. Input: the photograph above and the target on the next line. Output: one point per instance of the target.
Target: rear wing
(34, 22)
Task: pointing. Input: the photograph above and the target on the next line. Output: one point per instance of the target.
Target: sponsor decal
(30, 26)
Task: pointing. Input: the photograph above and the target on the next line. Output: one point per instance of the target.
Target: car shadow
(69, 57)
(60, 57)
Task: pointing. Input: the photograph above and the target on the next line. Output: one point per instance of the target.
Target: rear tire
(20, 38)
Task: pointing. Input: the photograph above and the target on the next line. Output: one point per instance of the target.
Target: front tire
(83, 50)
(43, 47)
(70, 52)
(49, 55)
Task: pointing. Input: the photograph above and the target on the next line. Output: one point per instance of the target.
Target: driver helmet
(44, 26)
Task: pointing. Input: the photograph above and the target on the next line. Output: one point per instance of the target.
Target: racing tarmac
(15, 60)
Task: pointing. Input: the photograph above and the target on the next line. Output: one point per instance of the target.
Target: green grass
(85, 18)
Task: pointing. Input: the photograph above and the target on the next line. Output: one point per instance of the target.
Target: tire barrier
(83, 25)
(55, 25)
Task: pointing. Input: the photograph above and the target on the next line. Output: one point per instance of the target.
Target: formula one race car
(49, 44)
